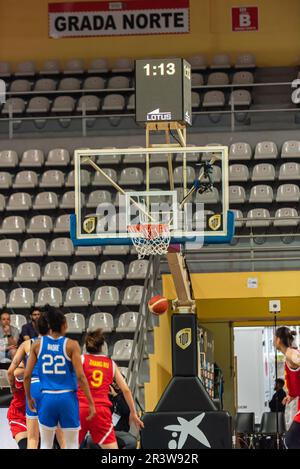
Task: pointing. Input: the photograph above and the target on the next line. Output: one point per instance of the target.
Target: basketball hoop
(150, 239)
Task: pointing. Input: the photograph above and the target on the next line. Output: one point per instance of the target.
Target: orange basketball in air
(158, 305)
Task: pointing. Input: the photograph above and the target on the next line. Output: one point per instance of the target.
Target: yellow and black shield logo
(214, 222)
(184, 338)
(89, 224)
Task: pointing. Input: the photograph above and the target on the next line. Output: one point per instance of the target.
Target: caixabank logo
(2, 92)
(157, 115)
(184, 429)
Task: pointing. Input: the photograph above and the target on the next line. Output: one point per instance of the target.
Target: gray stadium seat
(5, 273)
(74, 66)
(83, 270)
(198, 62)
(89, 103)
(240, 151)
(289, 171)
(75, 323)
(26, 179)
(85, 178)
(52, 178)
(13, 224)
(61, 247)
(286, 217)
(102, 321)
(94, 83)
(137, 158)
(21, 86)
(138, 269)
(28, 272)
(58, 157)
(19, 201)
(258, 217)
(5, 69)
(87, 251)
(55, 271)
(32, 159)
(245, 60)
(243, 78)
(5, 180)
(214, 99)
(21, 298)
(9, 248)
(69, 84)
(18, 321)
(8, 159)
(45, 201)
(263, 172)
(196, 101)
(45, 84)
(211, 197)
(100, 180)
(63, 104)
(113, 102)
(123, 64)
(131, 102)
(122, 350)
(38, 105)
(288, 193)
(77, 296)
(40, 224)
(261, 194)
(106, 296)
(16, 105)
(25, 68)
(240, 98)
(220, 61)
(178, 175)
(218, 79)
(99, 197)
(50, 67)
(68, 200)
(238, 214)
(49, 296)
(237, 195)
(131, 176)
(127, 322)
(133, 295)
(2, 298)
(4, 383)
(266, 150)
(159, 175)
(197, 79)
(33, 247)
(2, 203)
(118, 82)
(116, 250)
(112, 270)
(98, 65)
(238, 173)
(62, 224)
(291, 149)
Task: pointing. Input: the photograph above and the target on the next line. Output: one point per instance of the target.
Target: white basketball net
(150, 239)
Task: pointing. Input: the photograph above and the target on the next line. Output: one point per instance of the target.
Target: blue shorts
(59, 410)
(35, 391)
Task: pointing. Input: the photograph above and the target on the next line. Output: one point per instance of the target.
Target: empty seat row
(220, 79)
(263, 193)
(260, 217)
(34, 158)
(264, 150)
(82, 270)
(217, 99)
(264, 172)
(75, 297)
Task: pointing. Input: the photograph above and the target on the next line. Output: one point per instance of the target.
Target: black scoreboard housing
(163, 91)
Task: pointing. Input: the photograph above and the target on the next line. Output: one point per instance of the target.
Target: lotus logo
(186, 429)
(156, 115)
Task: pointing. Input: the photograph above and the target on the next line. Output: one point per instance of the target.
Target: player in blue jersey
(59, 368)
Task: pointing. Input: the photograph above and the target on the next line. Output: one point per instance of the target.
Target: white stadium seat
(102, 321)
(28, 272)
(77, 296)
(122, 350)
(55, 272)
(49, 296)
(258, 217)
(106, 296)
(133, 295)
(21, 298)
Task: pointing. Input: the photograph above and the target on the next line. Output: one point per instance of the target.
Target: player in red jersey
(100, 372)
(283, 341)
(16, 414)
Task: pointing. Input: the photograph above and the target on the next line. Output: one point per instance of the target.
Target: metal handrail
(144, 322)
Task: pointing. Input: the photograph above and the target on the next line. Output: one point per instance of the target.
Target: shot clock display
(163, 91)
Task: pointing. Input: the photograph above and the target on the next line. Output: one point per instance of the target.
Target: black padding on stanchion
(184, 345)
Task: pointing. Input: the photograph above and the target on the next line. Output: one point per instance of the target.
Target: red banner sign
(244, 18)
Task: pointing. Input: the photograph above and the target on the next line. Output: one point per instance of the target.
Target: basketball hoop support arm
(184, 302)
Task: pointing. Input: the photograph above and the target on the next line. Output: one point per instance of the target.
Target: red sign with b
(244, 18)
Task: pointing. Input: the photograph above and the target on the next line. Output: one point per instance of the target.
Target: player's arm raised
(134, 418)
(18, 358)
(73, 350)
(32, 359)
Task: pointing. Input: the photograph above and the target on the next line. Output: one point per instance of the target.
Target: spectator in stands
(9, 336)
(121, 422)
(276, 403)
(29, 330)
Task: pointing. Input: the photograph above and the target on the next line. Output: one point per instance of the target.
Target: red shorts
(17, 424)
(100, 427)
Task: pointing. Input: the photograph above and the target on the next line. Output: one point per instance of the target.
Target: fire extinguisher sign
(244, 18)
